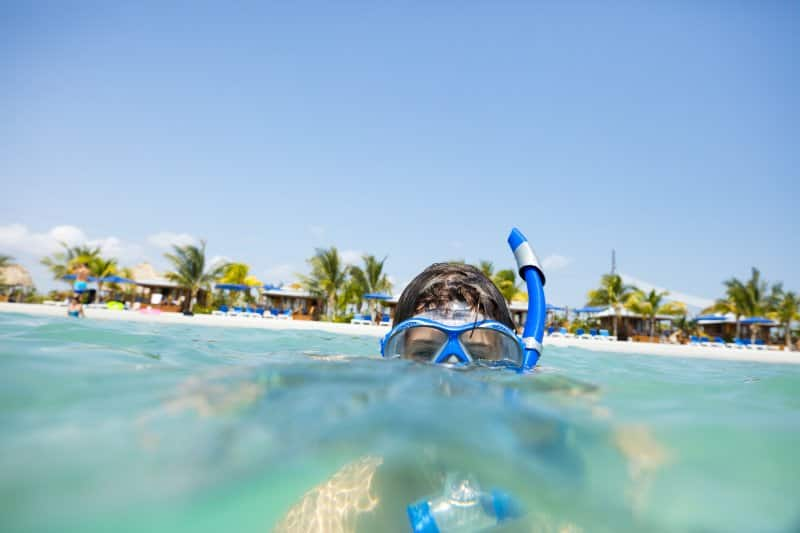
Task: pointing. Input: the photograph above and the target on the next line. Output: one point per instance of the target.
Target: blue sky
(422, 131)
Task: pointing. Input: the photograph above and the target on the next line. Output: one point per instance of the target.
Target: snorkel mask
(456, 336)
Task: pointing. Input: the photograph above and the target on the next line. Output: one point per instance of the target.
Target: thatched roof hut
(15, 276)
(144, 271)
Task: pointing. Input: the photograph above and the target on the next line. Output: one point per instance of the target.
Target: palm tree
(733, 303)
(506, 282)
(101, 268)
(61, 263)
(328, 276)
(239, 274)
(126, 290)
(785, 310)
(744, 299)
(613, 293)
(487, 267)
(649, 305)
(757, 300)
(686, 325)
(5, 260)
(190, 272)
(370, 279)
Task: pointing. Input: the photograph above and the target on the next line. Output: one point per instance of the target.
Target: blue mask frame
(453, 346)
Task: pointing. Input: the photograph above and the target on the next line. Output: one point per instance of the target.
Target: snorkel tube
(531, 271)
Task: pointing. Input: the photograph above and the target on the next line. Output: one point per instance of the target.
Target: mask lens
(420, 342)
(490, 345)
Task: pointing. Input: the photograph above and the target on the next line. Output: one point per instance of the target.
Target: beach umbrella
(551, 307)
(588, 310)
(73, 276)
(712, 317)
(271, 287)
(116, 279)
(377, 296)
(232, 287)
(757, 320)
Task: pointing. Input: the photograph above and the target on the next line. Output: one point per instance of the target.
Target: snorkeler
(452, 314)
(75, 308)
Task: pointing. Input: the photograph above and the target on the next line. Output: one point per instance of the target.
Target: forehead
(453, 313)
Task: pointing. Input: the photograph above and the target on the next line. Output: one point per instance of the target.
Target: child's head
(449, 287)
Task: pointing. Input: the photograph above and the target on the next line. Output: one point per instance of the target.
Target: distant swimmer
(75, 308)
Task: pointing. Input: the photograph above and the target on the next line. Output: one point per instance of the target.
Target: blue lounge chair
(604, 335)
(550, 330)
(222, 311)
(386, 320)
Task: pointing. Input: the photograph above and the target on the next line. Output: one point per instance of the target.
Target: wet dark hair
(442, 283)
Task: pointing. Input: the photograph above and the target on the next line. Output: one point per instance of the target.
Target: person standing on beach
(81, 279)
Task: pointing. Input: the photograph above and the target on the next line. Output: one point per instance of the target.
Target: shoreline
(685, 351)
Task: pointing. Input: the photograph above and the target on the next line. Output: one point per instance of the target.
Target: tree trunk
(99, 291)
(738, 328)
(616, 320)
(788, 336)
(331, 305)
(653, 327)
(187, 305)
(753, 333)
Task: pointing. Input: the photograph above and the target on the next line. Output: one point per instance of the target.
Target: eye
(425, 354)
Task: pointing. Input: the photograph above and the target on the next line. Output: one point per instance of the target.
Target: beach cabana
(156, 291)
(377, 299)
(724, 326)
(302, 304)
(15, 283)
(631, 325)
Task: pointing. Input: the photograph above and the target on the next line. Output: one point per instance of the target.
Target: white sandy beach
(639, 348)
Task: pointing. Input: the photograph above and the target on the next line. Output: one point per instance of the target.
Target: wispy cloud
(220, 259)
(555, 262)
(689, 299)
(351, 257)
(166, 239)
(284, 273)
(18, 239)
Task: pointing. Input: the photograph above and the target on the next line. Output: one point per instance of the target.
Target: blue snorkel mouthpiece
(531, 271)
(463, 508)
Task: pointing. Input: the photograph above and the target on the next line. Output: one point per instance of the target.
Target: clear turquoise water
(140, 427)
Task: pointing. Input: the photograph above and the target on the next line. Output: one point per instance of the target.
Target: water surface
(133, 427)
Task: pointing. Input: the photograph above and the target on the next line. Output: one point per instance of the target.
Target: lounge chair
(604, 335)
(562, 332)
(550, 330)
(363, 320)
(285, 315)
(250, 312)
(386, 320)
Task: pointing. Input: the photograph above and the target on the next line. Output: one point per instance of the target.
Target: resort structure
(15, 282)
